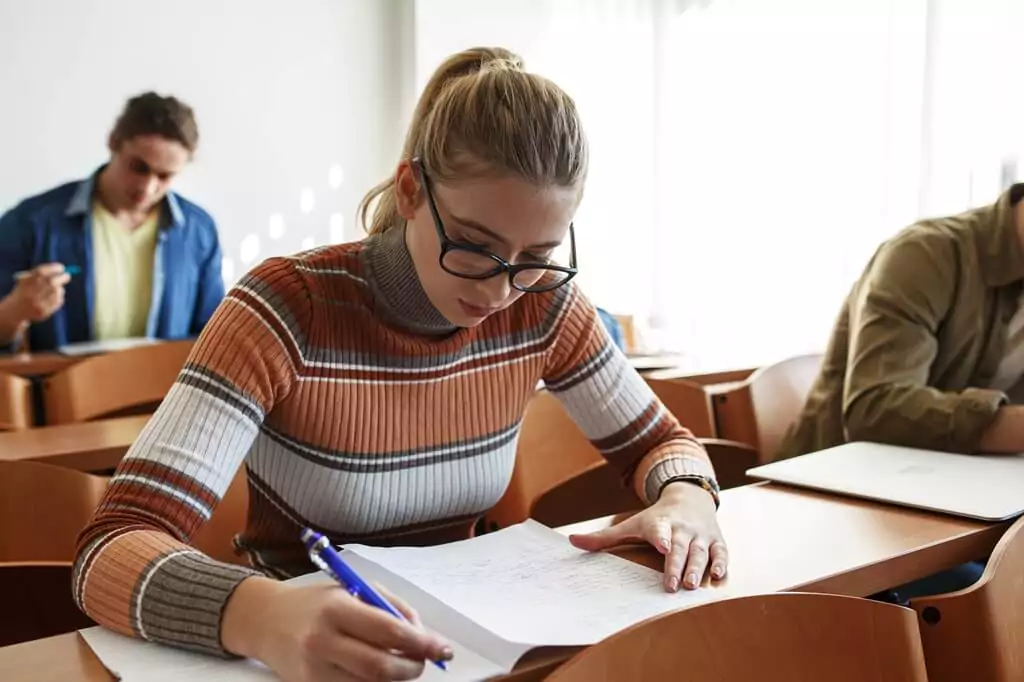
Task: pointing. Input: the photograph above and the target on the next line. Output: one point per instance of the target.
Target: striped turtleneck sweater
(358, 410)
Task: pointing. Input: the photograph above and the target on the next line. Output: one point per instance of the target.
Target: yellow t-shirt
(122, 274)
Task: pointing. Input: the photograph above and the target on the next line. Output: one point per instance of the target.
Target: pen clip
(314, 556)
(322, 565)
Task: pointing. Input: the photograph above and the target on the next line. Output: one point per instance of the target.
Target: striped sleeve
(135, 572)
(614, 407)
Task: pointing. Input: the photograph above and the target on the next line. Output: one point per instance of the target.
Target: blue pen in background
(70, 270)
(331, 563)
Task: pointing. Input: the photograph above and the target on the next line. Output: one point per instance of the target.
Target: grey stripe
(184, 599)
(376, 462)
(583, 373)
(275, 301)
(203, 379)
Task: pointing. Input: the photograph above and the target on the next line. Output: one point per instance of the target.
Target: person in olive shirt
(928, 350)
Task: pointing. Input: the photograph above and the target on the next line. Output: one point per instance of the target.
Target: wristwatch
(708, 484)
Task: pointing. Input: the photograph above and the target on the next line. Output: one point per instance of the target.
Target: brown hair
(153, 114)
(482, 113)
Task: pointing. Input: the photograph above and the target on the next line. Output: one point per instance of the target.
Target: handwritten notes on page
(527, 584)
(493, 598)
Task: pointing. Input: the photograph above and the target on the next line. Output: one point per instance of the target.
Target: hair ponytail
(481, 107)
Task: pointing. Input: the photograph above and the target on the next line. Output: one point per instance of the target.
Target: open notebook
(494, 598)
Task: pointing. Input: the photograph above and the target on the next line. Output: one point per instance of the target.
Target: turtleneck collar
(397, 292)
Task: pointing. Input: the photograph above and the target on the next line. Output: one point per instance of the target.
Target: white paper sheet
(108, 346)
(528, 585)
(133, 660)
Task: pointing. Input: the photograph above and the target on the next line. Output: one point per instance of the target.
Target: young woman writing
(375, 390)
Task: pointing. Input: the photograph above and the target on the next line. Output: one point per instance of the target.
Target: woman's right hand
(320, 633)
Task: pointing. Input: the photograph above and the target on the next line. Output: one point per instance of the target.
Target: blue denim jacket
(613, 327)
(56, 226)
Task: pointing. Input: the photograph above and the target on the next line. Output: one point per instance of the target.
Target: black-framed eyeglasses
(470, 261)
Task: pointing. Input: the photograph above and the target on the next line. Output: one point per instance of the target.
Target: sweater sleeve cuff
(666, 469)
(182, 602)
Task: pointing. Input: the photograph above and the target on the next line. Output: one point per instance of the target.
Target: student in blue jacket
(117, 255)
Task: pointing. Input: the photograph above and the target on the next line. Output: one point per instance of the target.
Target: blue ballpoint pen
(331, 563)
(69, 270)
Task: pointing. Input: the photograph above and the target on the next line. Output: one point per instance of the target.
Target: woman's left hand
(681, 525)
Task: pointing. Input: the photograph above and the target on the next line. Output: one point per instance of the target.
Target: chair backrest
(689, 402)
(42, 510)
(37, 602)
(786, 637)
(216, 537)
(551, 449)
(132, 381)
(16, 411)
(731, 461)
(977, 633)
(761, 409)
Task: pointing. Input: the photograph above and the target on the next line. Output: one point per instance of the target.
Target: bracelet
(710, 485)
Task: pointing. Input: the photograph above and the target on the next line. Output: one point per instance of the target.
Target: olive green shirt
(920, 337)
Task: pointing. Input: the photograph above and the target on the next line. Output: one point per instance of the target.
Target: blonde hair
(482, 113)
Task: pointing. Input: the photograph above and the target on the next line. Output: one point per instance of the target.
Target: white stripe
(269, 309)
(584, 368)
(145, 584)
(86, 562)
(413, 382)
(329, 271)
(163, 487)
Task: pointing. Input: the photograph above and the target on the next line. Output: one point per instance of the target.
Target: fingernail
(673, 584)
(447, 654)
(666, 545)
(717, 571)
(692, 580)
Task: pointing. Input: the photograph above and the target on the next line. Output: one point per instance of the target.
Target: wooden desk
(89, 446)
(37, 364)
(651, 362)
(780, 539)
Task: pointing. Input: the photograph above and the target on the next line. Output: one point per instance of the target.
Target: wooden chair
(130, 381)
(16, 411)
(787, 637)
(37, 602)
(42, 510)
(978, 633)
(560, 478)
(551, 449)
(217, 536)
(689, 402)
(598, 491)
(758, 411)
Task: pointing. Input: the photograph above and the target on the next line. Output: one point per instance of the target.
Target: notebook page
(528, 585)
(479, 654)
(133, 660)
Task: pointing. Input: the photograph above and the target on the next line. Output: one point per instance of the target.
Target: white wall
(282, 91)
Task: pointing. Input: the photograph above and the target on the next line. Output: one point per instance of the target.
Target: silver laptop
(988, 488)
